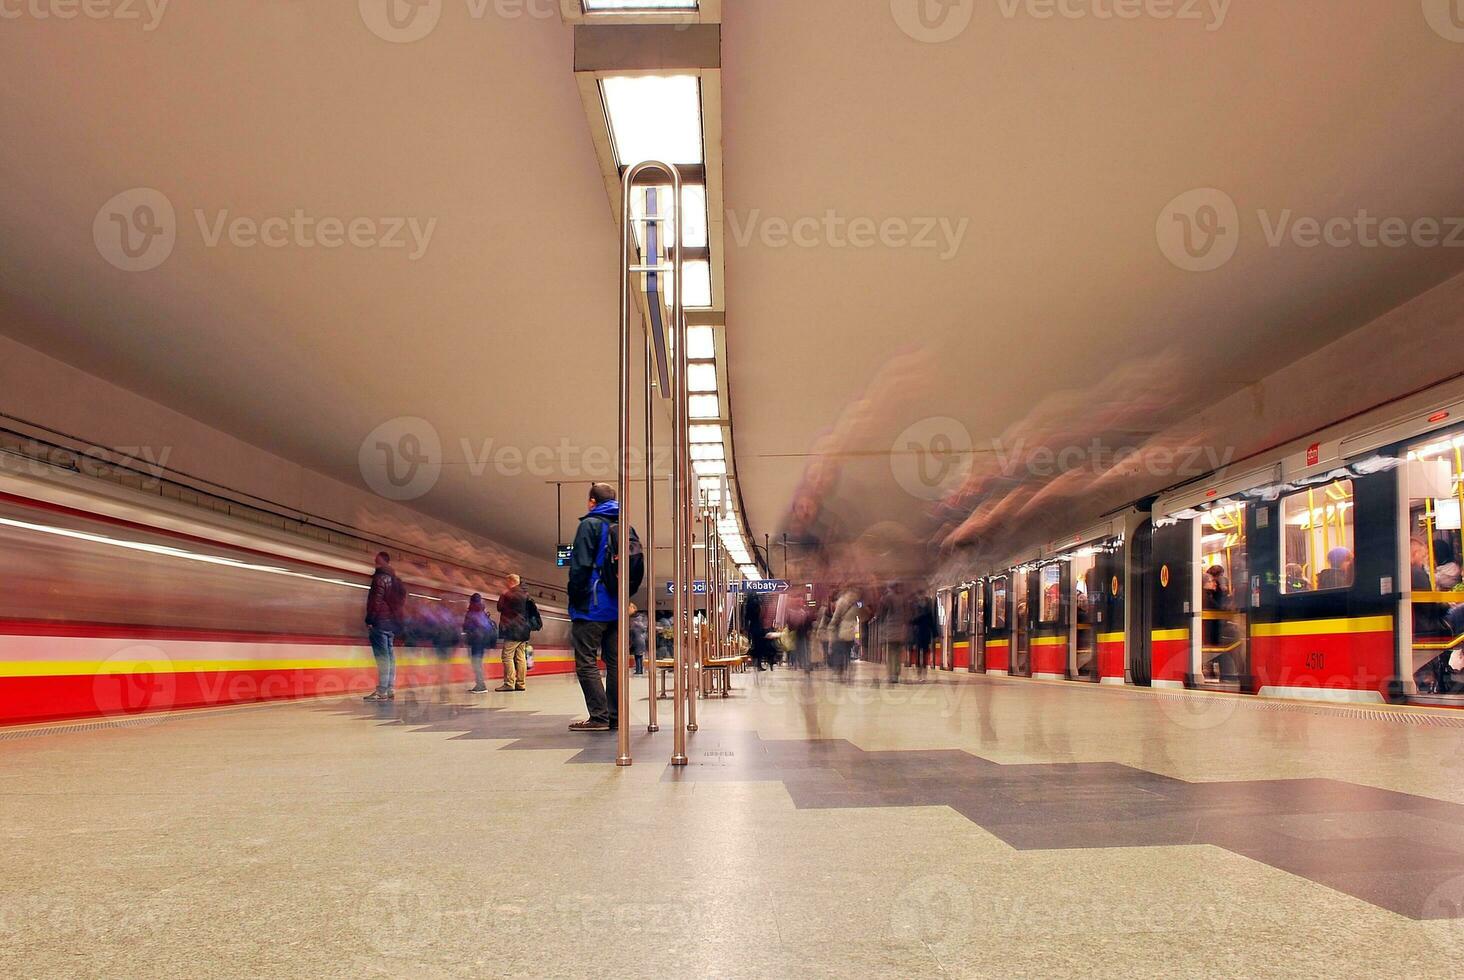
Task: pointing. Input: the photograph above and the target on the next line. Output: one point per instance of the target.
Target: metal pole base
(692, 728)
(678, 760)
(653, 729)
(624, 760)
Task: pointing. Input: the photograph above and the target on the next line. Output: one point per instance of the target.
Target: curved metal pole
(673, 211)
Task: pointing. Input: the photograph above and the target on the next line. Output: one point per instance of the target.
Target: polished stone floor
(961, 827)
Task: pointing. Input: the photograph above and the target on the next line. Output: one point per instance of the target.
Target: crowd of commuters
(390, 625)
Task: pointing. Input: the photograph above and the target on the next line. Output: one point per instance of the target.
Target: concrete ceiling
(1060, 141)
(1059, 319)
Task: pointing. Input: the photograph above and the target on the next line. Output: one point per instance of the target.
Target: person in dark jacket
(516, 630)
(923, 629)
(754, 626)
(639, 628)
(478, 628)
(385, 612)
(594, 613)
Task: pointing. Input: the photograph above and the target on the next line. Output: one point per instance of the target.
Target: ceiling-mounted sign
(697, 588)
(766, 587)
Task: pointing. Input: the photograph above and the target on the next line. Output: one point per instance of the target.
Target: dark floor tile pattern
(1390, 849)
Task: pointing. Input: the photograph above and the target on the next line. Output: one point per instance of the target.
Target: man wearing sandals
(385, 607)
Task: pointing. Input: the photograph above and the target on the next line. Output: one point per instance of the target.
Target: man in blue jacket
(594, 611)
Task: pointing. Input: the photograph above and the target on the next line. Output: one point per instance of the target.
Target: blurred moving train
(113, 603)
(1328, 568)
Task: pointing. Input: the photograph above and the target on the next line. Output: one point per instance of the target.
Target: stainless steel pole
(682, 471)
(652, 586)
(667, 215)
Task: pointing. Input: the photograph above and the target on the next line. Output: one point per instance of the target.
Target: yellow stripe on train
(1159, 636)
(1110, 637)
(1323, 627)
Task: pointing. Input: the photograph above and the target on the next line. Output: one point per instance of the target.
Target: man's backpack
(610, 562)
(532, 619)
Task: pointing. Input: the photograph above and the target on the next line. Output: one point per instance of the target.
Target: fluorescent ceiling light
(701, 343)
(693, 212)
(594, 6)
(702, 377)
(709, 451)
(705, 406)
(711, 468)
(706, 433)
(654, 117)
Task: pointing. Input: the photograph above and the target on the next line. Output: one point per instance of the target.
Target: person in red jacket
(385, 612)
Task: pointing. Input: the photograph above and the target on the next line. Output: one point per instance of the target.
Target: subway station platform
(966, 826)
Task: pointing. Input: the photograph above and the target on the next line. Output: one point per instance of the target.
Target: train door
(1136, 574)
(1224, 585)
(1433, 486)
(1108, 611)
(1022, 624)
(1172, 605)
(1050, 622)
(1086, 595)
(999, 618)
(978, 628)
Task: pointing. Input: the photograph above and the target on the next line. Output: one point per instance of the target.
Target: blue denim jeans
(385, 661)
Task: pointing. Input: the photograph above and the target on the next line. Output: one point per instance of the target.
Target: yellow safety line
(1319, 627)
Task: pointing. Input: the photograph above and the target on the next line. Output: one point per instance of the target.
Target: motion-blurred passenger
(594, 611)
(516, 624)
(1338, 574)
(1446, 565)
(639, 627)
(845, 627)
(923, 630)
(896, 614)
(760, 645)
(481, 634)
(385, 612)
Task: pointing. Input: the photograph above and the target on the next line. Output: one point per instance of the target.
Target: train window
(1318, 547)
(963, 599)
(1435, 484)
(998, 603)
(1051, 580)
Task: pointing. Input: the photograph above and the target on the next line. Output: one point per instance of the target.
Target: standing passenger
(639, 627)
(481, 633)
(594, 609)
(385, 605)
(515, 622)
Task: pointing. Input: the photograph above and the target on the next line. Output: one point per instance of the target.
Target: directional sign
(698, 588)
(766, 587)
